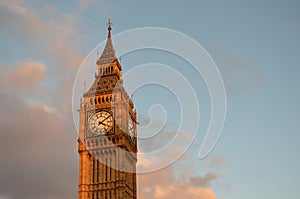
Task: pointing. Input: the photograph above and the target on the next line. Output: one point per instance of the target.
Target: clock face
(131, 128)
(100, 123)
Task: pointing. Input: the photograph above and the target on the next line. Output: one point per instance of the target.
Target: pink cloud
(176, 191)
(164, 184)
(37, 148)
(26, 74)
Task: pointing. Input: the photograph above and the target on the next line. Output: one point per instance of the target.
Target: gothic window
(98, 173)
(110, 173)
(106, 169)
(111, 68)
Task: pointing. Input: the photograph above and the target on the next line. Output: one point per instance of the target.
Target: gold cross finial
(109, 27)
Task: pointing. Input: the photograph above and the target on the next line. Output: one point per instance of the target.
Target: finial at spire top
(109, 27)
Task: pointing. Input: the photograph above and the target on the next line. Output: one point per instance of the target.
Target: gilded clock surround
(100, 122)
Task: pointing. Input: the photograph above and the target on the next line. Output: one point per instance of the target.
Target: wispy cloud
(54, 39)
(170, 186)
(26, 74)
(239, 75)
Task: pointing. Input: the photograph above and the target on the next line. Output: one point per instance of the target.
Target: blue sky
(255, 45)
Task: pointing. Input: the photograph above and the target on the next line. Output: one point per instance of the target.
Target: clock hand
(100, 123)
(105, 119)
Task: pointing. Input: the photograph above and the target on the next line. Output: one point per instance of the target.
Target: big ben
(107, 143)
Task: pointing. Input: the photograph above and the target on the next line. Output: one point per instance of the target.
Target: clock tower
(107, 143)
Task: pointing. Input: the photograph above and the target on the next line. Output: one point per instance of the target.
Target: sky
(255, 46)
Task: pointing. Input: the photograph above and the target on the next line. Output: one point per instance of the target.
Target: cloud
(168, 186)
(203, 181)
(37, 153)
(41, 107)
(43, 32)
(162, 138)
(26, 75)
(217, 161)
(177, 191)
(38, 147)
(179, 180)
(239, 76)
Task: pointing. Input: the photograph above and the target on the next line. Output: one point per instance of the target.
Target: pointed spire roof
(108, 55)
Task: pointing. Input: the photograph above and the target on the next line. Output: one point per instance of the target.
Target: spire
(108, 55)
